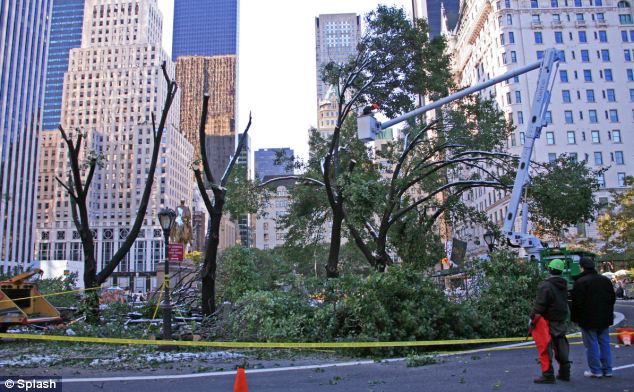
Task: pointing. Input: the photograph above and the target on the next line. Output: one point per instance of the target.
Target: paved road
(505, 370)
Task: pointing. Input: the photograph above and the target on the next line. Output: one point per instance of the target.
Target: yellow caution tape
(302, 345)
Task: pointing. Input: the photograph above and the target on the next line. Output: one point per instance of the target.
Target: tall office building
(113, 85)
(434, 11)
(66, 24)
(24, 36)
(216, 76)
(336, 39)
(591, 111)
(270, 162)
(205, 28)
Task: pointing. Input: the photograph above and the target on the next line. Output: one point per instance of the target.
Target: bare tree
(214, 208)
(77, 185)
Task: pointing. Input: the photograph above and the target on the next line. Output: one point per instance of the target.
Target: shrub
(270, 316)
(507, 289)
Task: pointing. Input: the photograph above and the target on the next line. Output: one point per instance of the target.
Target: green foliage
(58, 285)
(616, 224)
(415, 360)
(237, 273)
(242, 195)
(398, 305)
(507, 287)
(269, 316)
(562, 195)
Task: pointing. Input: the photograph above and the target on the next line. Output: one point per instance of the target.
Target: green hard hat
(556, 264)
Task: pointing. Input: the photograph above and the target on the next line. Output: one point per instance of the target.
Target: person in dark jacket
(593, 301)
(551, 304)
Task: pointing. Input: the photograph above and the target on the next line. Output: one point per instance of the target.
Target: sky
(277, 70)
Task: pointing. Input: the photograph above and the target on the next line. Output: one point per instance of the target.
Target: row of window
(595, 137)
(608, 94)
(605, 74)
(580, 19)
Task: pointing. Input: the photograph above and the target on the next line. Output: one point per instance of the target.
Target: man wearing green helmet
(551, 314)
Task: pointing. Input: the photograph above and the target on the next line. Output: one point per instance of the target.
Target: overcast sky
(276, 74)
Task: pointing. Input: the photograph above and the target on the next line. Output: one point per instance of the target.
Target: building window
(618, 157)
(538, 37)
(550, 138)
(540, 54)
(513, 56)
(534, 4)
(552, 157)
(587, 75)
(577, 3)
(511, 37)
(518, 97)
(522, 138)
(554, 3)
(568, 117)
(625, 19)
(596, 137)
(593, 118)
(614, 115)
(583, 37)
(585, 56)
(607, 74)
(509, 19)
(611, 96)
(579, 17)
(627, 55)
(536, 18)
(548, 117)
(598, 158)
(601, 180)
(559, 37)
(565, 95)
(571, 137)
(590, 95)
(573, 156)
(603, 36)
(632, 94)
(630, 75)
(605, 55)
(563, 76)
(620, 177)
(520, 117)
(616, 136)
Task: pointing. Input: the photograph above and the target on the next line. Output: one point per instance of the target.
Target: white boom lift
(368, 127)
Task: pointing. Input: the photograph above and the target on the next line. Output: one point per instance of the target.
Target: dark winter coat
(552, 299)
(593, 301)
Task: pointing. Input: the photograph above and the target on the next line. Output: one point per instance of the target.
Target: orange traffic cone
(240, 385)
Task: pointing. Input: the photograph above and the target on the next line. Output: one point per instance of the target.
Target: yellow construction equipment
(20, 302)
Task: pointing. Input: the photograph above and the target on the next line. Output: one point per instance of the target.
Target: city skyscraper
(266, 165)
(216, 76)
(431, 11)
(113, 86)
(66, 24)
(590, 114)
(24, 36)
(205, 28)
(336, 36)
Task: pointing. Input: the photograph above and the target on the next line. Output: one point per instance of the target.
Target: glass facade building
(431, 10)
(268, 163)
(24, 35)
(66, 24)
(205, 28)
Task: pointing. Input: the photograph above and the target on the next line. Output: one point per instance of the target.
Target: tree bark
(335, 243)
(210, 261)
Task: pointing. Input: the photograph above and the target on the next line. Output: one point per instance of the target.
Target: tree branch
(300, 178)
(203, 191)
(203, 140)
(225, 176)
(468, 184)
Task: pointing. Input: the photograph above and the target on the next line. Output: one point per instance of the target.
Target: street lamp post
(166, 219)
(489, 239)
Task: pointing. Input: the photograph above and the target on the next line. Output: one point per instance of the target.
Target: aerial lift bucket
(21, 302)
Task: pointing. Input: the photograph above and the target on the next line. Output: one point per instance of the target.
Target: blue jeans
(597, 343)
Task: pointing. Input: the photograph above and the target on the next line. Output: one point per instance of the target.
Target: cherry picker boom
(368, 127)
